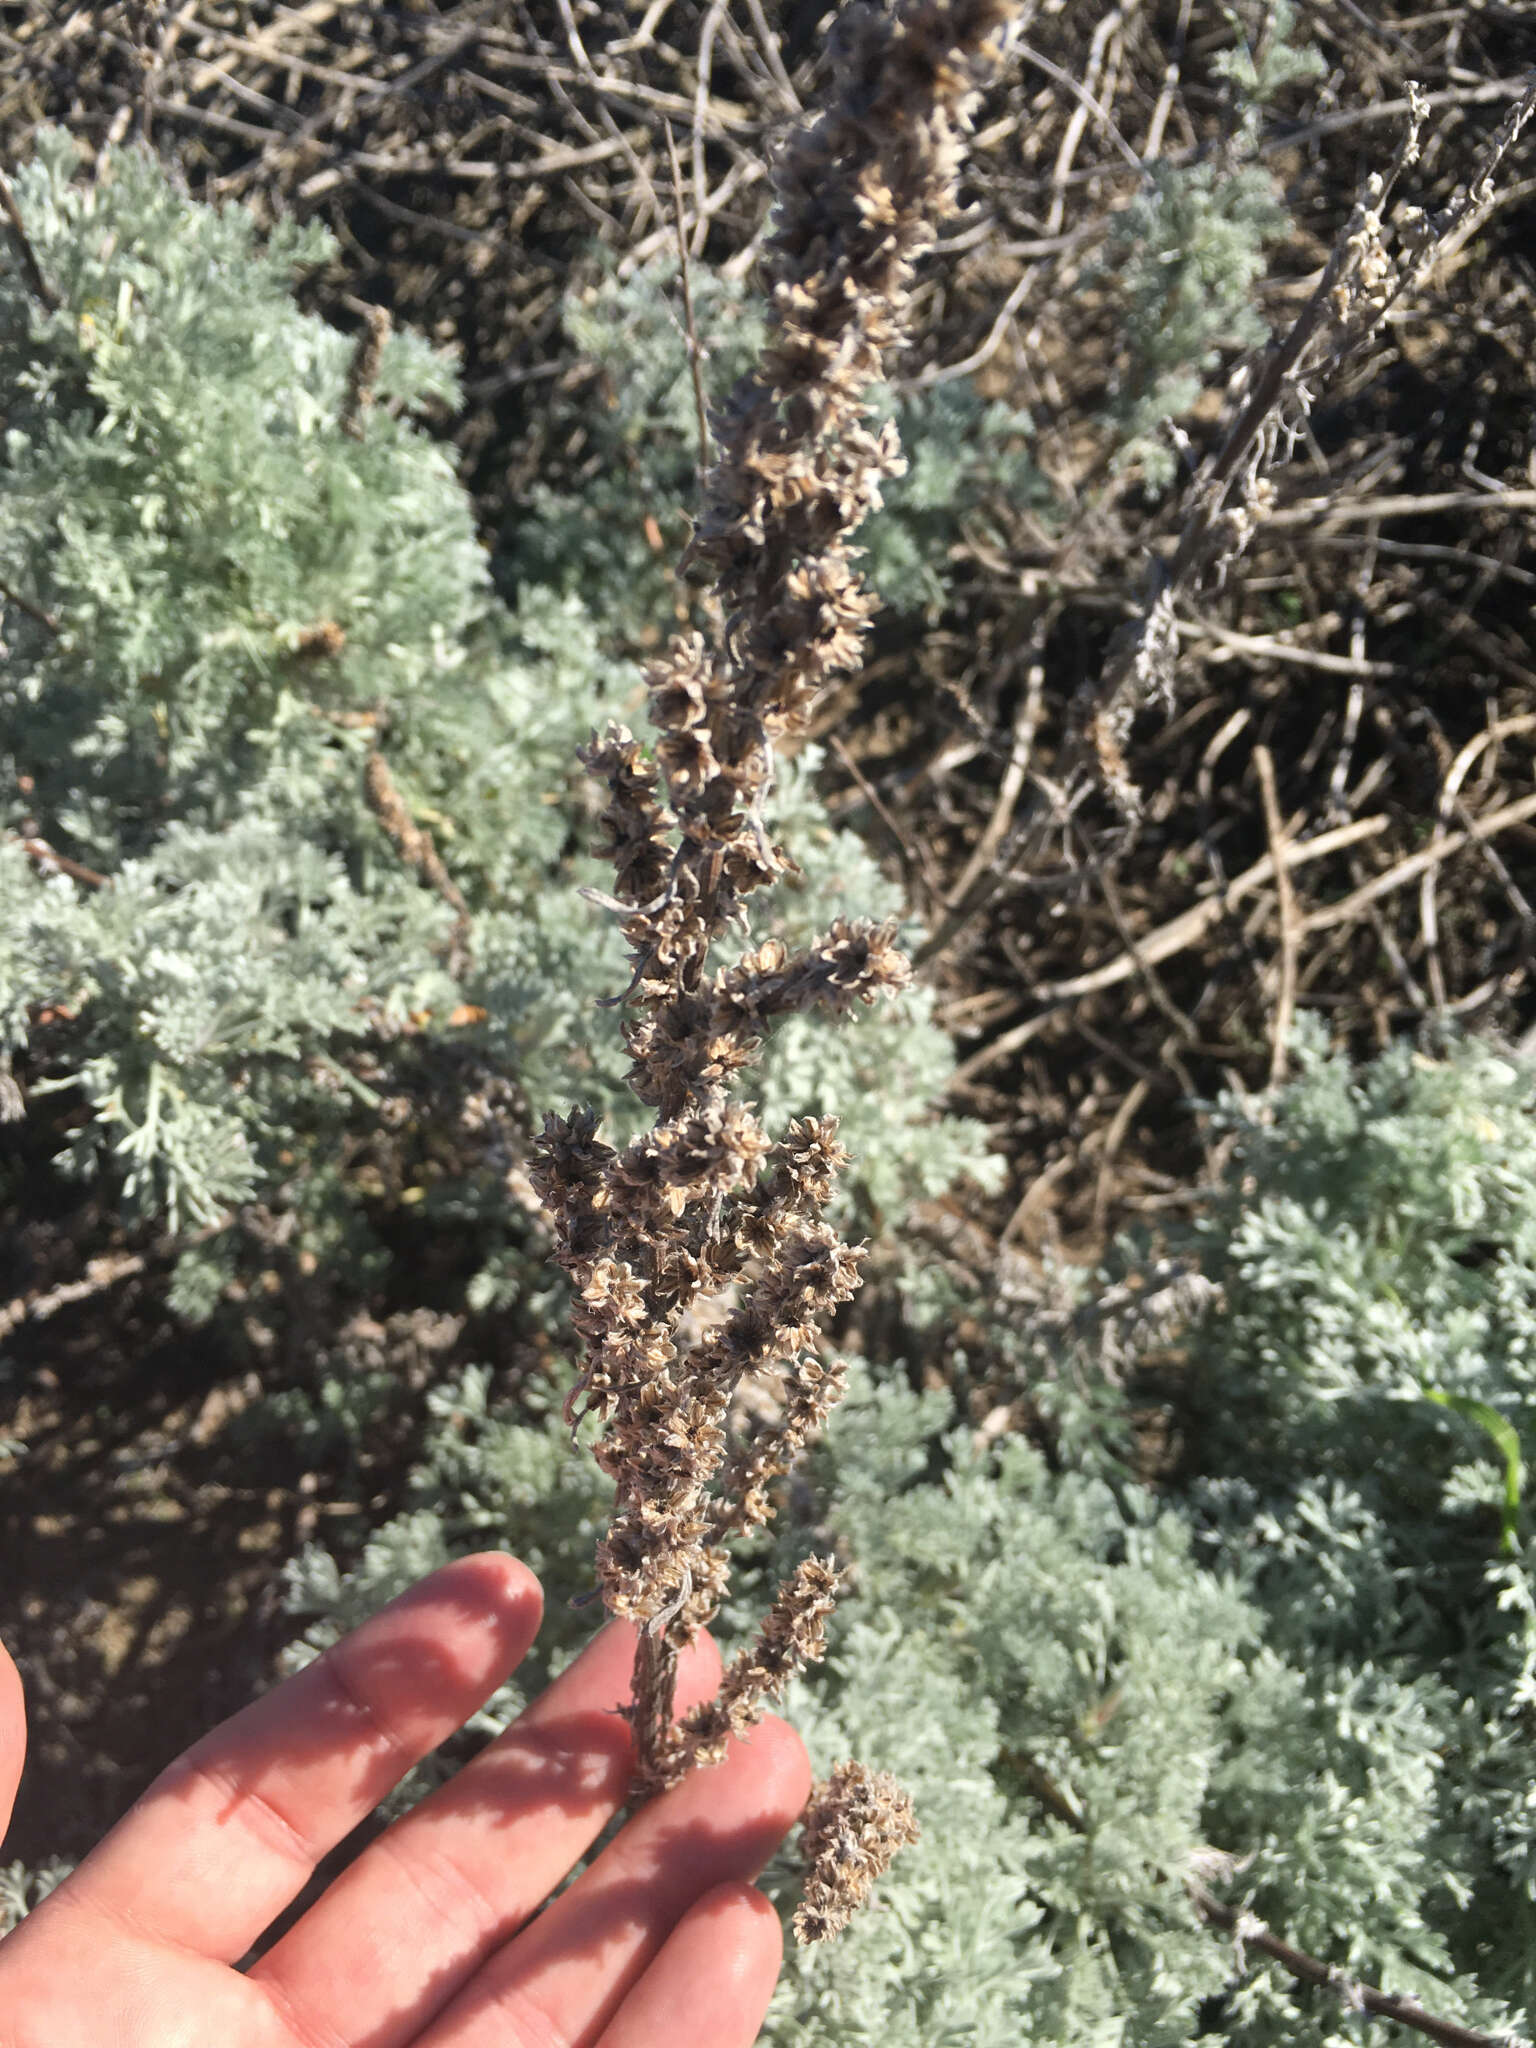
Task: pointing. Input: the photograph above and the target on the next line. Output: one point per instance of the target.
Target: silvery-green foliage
(628, 442)
(180, 494)
(1353, 1320)
(333, 1419)
(254, 595)
(1183, 258)
(1388, 1253)
(1359, 1390)
(1264, 60)
(180, 491)
(1140, 1725)
(964, 455)
(488, 1477)
(21, 1889)
(1186, 254)
(210, 981)
(485, 1481)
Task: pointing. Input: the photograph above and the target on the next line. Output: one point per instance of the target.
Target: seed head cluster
(699, 1252)
(855, 1825)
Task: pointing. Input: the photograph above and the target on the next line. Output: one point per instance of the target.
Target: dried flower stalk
(706, 1201)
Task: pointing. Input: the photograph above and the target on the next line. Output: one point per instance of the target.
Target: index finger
(230, 1833)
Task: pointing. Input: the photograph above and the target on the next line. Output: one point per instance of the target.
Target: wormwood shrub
(1125, 1716)
(701, 1254)
(1365, 1400)
(1296, 1682)
(289, 827)
(1357, 1397)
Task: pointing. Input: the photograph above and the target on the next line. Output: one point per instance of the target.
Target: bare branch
(1386, 2005)
(695, 351)
(1290, 922)
(46, 857)
(45, 619)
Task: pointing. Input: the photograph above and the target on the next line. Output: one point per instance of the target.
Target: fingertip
(13, 1735)
(740, 1934)
(756, 1933)
(713, 1978)
(489, 1591)
(503, 1584)
(476, 1618)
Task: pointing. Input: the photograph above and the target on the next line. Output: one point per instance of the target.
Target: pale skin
(428, 1939)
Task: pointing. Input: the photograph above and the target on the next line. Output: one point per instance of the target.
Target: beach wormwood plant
(699, 1253)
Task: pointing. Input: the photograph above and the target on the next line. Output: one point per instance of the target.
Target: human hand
(425, 1938)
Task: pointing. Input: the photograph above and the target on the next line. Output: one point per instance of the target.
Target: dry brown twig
(1248, 1931)
(100, 1273)
(414, 844)
(690, 323)
(32, 609)
(363, 370)
(1185, 930)
(51, 861)
(1191, 925)
(1451, 805)
(1364, 285)
(705, 1204)
(1290, 918)
(1232, 496)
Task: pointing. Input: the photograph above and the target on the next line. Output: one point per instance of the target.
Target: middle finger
(403, 1928)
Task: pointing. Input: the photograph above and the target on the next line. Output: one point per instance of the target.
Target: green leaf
(1502, 1431)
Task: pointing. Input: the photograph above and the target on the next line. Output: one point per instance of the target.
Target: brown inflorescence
(854, 1825)
(705, 1207)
